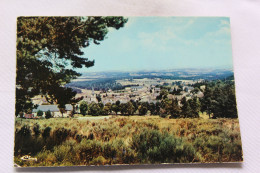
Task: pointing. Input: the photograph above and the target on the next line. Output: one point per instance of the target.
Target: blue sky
(160, 43)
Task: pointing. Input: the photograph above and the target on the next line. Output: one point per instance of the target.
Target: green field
(126, 140)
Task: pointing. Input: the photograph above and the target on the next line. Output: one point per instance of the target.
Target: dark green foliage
(143, 108)
(190, 108)
(163, 94)
(152, 109)
(94, 109)
(39, 113)
(116, 107)
(130, 109)
(60, 135)
(46, 132)
(83, 108)
(36, 130)
(107, 109)
(98, 97)
(46, 45)
(186, 110)
(135, 104)
(157, 107)
(25, 142)
(98, 84)
(195, 106)
(23, 139)
(48, 114)
(171, 107)
(219, 99)
(123, 108)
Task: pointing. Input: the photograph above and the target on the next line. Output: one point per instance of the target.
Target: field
(126, 140)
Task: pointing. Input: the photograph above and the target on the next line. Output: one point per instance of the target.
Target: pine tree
(45, 46)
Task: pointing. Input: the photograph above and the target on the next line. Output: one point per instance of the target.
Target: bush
(23, 141)
(48, 114)
(153, 146)
(83, 108)
(39, 113)
(100, 160)
(87, 149)
(46, 158)
(61, 152)
(46, 132)
(36, 130)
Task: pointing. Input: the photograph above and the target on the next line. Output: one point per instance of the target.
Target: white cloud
(157, 40)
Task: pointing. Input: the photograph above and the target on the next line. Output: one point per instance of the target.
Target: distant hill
(104, 80)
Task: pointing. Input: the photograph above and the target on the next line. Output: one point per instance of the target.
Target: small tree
(98, 96)
(39, 113)
(152, 108)
(130, 108)
(94, 109)
(48, 114)
(107, 108)
(123, 108)
(143, 109)
(116, 107)
(175, 110)
(186, 111)
(83, 108)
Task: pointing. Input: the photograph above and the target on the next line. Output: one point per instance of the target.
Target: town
(137, 90)
(143, 90)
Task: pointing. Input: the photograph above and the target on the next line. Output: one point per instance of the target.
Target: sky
(163, 43)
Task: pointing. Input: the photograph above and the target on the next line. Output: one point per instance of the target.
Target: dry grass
(212, 140)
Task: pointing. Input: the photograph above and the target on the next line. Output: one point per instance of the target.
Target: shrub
(153, 146)
(46, 158)
(48, 114)
(39, 113)
(23, 140)
(87, 150)
(109, 151)
(36, 130)
(83, 108)
(100, 160)
(61, 152)
(46, 132)
(60, 135)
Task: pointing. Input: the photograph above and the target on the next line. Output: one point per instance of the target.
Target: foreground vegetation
(126, 140)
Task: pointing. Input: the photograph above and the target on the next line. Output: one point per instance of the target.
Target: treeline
(97, 85)
(218, 102)
(220, 99)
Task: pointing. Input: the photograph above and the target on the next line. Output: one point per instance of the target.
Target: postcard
(113, 90)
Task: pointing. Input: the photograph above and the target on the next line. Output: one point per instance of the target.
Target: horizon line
(150, 70)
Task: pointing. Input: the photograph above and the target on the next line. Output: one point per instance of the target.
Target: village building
(53, 109)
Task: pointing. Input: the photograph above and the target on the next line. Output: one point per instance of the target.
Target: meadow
(126, 140)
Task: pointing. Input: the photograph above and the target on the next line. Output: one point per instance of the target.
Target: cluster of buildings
(53, 109)
(142, 90)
